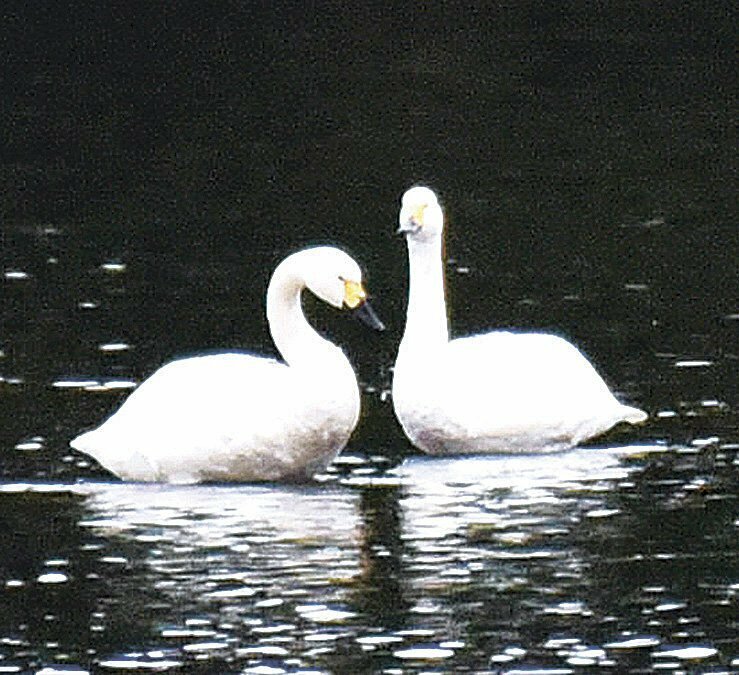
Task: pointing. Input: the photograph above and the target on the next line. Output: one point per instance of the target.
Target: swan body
(238, 416)
(496, 392)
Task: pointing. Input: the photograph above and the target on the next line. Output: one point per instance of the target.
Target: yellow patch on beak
(417, 215)
(354, 294)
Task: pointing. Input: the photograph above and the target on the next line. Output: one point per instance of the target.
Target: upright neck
(298, 343)
(426, 322)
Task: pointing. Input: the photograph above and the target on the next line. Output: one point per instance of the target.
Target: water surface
(156, 169)
(595, 557)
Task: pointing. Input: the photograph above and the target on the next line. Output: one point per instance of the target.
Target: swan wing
(519, 382)
(225, 416)
(509, 370)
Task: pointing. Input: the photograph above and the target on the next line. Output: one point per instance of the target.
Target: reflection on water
(156, 171)
(622, 556)
(596, 557)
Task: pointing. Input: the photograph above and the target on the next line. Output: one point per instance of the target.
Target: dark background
(158, 159)
(584, 153)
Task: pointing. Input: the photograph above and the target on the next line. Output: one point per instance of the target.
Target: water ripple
(488, 562)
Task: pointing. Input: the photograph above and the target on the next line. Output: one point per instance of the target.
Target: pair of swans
(241, 417)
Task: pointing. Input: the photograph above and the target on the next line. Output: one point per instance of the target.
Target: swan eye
(354, 294)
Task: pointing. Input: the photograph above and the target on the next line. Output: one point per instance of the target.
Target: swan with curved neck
(240, 417)
(494, 392)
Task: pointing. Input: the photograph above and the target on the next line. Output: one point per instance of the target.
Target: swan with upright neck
(495, 392)
(239, 417)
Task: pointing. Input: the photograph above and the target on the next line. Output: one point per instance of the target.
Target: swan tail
(633, 415)
(92, 444)
(81, 443)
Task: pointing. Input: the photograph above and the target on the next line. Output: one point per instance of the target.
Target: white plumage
(241, 417)
(496, 392)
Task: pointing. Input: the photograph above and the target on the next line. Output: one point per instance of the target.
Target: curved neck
(296, 340)
(426, 322)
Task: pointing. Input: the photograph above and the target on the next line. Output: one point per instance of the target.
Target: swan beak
(411, 222)
(408, 227)
(355, 298)
(367, 316)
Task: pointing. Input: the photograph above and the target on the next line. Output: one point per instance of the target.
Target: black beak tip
(367, 316)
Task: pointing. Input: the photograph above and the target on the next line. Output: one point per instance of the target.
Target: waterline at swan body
(496, 392)
(240, 417)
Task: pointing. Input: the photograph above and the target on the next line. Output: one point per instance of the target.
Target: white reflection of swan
(226, 515)
(493, 392)
(446, 495)
(170, 552)
(227, 544)
(240, 417)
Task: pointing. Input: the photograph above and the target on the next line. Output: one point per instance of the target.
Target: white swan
(240, 417)
(495, 392)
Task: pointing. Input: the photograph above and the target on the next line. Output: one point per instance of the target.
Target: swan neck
(426, 322)
(297, 341)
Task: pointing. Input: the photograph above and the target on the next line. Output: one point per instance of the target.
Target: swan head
(421, 217)
(335, 277)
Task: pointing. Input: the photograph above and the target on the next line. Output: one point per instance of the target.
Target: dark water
(156, 166)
